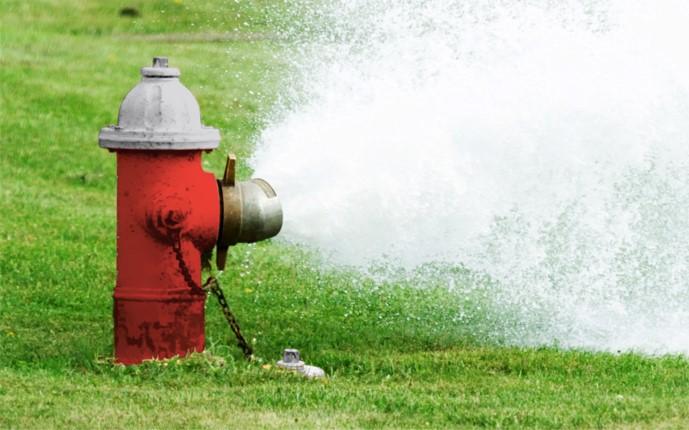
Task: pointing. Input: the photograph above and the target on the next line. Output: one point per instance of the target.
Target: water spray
(534, 152)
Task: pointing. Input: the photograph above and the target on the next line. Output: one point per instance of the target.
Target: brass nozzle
(251, 211)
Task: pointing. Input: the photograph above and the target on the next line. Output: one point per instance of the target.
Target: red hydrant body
(169, 212)
(162, 197)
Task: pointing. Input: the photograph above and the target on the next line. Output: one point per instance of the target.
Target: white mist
(543, 144)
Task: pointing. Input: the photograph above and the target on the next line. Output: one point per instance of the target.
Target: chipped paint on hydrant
(165, 199)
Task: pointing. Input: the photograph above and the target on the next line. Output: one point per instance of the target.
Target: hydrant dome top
(159, 113)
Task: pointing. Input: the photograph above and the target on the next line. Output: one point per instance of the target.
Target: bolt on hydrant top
(159, 114)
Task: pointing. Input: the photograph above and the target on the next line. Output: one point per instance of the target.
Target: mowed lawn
(397, 356)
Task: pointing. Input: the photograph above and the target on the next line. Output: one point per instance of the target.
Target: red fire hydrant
(169, 212)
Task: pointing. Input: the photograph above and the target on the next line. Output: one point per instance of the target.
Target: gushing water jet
(540, 146)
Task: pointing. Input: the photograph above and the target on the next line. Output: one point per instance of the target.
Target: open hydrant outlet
(251, 211)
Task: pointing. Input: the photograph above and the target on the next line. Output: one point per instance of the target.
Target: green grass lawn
(396, 356)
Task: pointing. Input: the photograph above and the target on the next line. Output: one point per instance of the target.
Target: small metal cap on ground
(291, 360)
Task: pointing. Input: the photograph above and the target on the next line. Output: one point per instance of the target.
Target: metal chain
(213, 286)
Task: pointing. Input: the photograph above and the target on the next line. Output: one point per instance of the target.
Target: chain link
(213, 286)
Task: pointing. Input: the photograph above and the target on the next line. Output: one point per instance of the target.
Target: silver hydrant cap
(159, 113)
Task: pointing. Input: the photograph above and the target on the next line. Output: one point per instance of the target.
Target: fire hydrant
(169, 213)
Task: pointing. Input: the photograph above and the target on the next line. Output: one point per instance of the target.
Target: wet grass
(396, 356)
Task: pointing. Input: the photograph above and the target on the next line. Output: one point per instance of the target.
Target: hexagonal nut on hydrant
(291, 361)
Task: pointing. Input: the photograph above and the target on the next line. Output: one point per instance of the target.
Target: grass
(396, 356)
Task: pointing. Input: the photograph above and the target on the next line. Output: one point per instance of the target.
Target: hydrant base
(157, 329)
